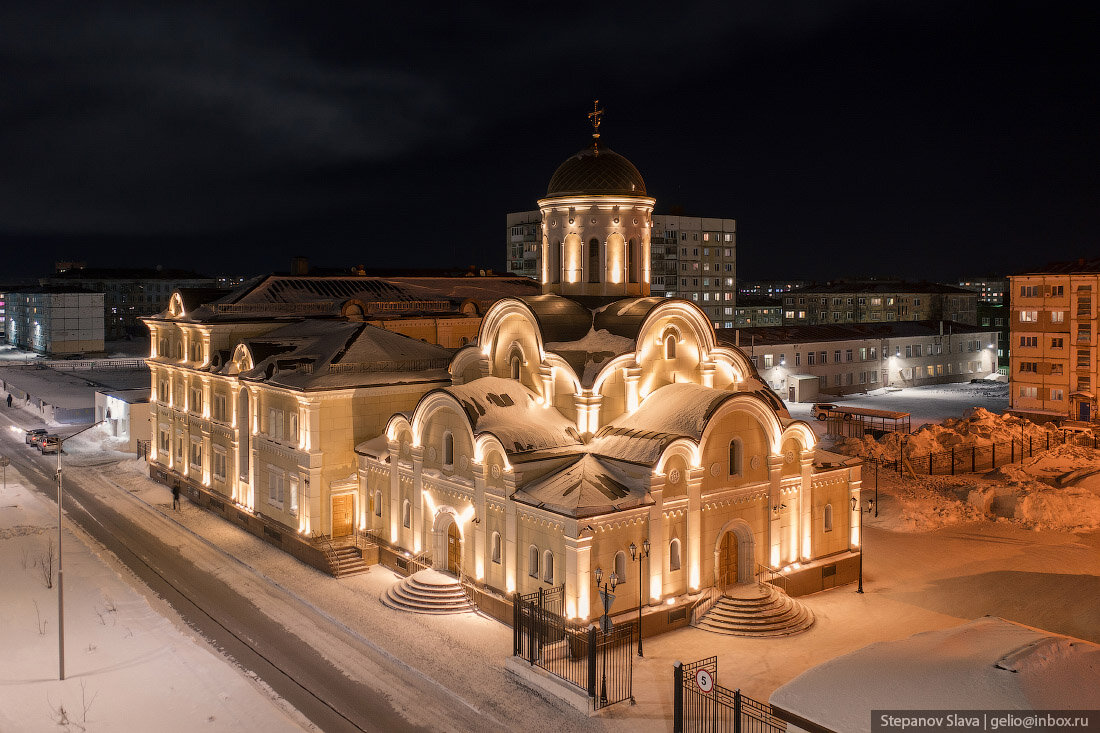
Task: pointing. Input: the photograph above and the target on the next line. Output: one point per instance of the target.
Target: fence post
(930, 463)
(973, 458)
(677, 697)
(1030, 449)
(1013, 442)
(994, 455)
(952, 460)
(592, 669)
(516, 616)
(736, 711)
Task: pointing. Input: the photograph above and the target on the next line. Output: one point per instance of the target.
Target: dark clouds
(257, 131)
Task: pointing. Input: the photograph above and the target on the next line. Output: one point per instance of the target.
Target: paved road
(230, 619)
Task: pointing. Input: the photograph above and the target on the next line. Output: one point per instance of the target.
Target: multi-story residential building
(879, 301)
(128, 294)
(694, 258)
(260, 394)
(767, 288)
(1054, 368)
(57, 321)
(860, 357)
(994, 299)
(754, 310)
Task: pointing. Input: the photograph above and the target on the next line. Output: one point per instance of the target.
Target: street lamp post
(857, 507)
(635, 556)
(605, 621)
(60, 576)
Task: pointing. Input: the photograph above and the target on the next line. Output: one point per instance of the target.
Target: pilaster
(775, 501)
(694, 527)
(417, 499)
(806, 505)
(479, 525)
(658, 557)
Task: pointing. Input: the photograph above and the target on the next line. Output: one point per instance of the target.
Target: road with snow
(227, 613)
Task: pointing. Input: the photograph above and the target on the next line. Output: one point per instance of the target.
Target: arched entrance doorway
(734, 554)
(727, 560)
(454, 549)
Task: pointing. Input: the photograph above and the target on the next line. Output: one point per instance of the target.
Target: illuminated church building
(593, 416)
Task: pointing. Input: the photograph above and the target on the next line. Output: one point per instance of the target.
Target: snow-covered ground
(130, 662)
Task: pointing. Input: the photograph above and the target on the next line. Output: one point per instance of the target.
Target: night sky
(920, 139)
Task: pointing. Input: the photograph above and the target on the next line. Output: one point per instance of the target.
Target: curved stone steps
(757, 610)
(428, 591)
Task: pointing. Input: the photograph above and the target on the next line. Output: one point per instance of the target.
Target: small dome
(596, 171)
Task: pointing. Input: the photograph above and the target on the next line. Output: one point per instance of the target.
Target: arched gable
(432, 403)
(685, 448)
(801, 432)
(689, 319)
(467, 365)
(175, 306)
(756, 407)
(242, 360)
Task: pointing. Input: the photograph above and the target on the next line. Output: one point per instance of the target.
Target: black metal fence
(974, 458)
(600, 664)
(701, 705)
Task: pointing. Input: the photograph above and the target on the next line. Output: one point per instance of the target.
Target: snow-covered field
(130, 662)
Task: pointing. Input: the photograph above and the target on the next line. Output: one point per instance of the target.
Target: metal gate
(600, 664)
(701, 705)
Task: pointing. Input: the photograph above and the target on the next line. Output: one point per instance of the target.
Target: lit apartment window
(1029, 316)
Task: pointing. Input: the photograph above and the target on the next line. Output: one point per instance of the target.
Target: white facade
(56, 323)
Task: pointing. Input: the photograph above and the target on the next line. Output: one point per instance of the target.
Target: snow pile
(978, 427)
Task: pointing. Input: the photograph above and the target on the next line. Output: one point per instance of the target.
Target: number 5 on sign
(704, 680)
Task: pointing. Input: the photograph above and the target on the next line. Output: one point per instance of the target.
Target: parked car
(50, 444)
(37, 439)
(33, 432)
(822, 410)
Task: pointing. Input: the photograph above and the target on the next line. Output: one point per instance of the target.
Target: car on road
(822, 410)
(50, 444)
(36, 440)
(33, 432)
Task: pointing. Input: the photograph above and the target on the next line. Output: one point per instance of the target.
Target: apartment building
(55, 321)
(1054, 368)
(881, 301)
(803, 362)
(994, 298)
(752, 311)
(768, 288)
(691, 257)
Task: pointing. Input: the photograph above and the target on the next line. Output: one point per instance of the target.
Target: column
(417, 500)
(706, 371)
(632, 376)
(578, 576)
(806, 505)
(546, 375)
(479, 514)
(694, 527)
(775, 499)
(512, 560)
(395, 492)
(658, 552)
(854, 486)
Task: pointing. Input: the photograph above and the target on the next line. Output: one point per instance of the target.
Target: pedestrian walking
(176, 497)
(9, 399)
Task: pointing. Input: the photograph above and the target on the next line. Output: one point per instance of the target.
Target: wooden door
(342, 509)
(454, 549)
(727, 560)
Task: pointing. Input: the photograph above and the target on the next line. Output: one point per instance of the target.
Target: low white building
(861, 357)
(125, 413)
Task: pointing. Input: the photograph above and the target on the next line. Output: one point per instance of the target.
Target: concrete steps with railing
(428, 591)
(757, 609)
(347, 561)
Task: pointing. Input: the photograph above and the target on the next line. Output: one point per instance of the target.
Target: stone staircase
(348, 561)
(757, 609)
(428, 591)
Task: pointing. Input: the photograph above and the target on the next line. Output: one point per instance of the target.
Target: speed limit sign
(704, 680)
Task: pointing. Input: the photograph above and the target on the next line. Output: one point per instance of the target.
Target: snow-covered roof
(582, 485)
(988, 663)
(511, 412)
(327, 354)
(671, 412)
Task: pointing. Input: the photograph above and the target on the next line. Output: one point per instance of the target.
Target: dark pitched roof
(795, 334)
(1083, 266)
(880, 286)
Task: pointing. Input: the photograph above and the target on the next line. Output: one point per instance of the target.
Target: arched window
(593, 260)
(378, 503)
(496, 547)
(533, 562)
(674, 555)
(514, 364)
(448, 449)
(735, 457)
(406, 514)
(620, 566)
(670, 346)
(828, 517)
(179, 351)
(635, 262)
(548, 567)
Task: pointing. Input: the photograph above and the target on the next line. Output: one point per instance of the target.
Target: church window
(674, 555)
(635, 261)
(620, 566)
(448, 449)
(496, 547)
(594, 261)
(378, 503)
(670, 346)
(533, 562)
(406, 514)
(513, 364)
(828, 517)
(735, 457)
(548, 566)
